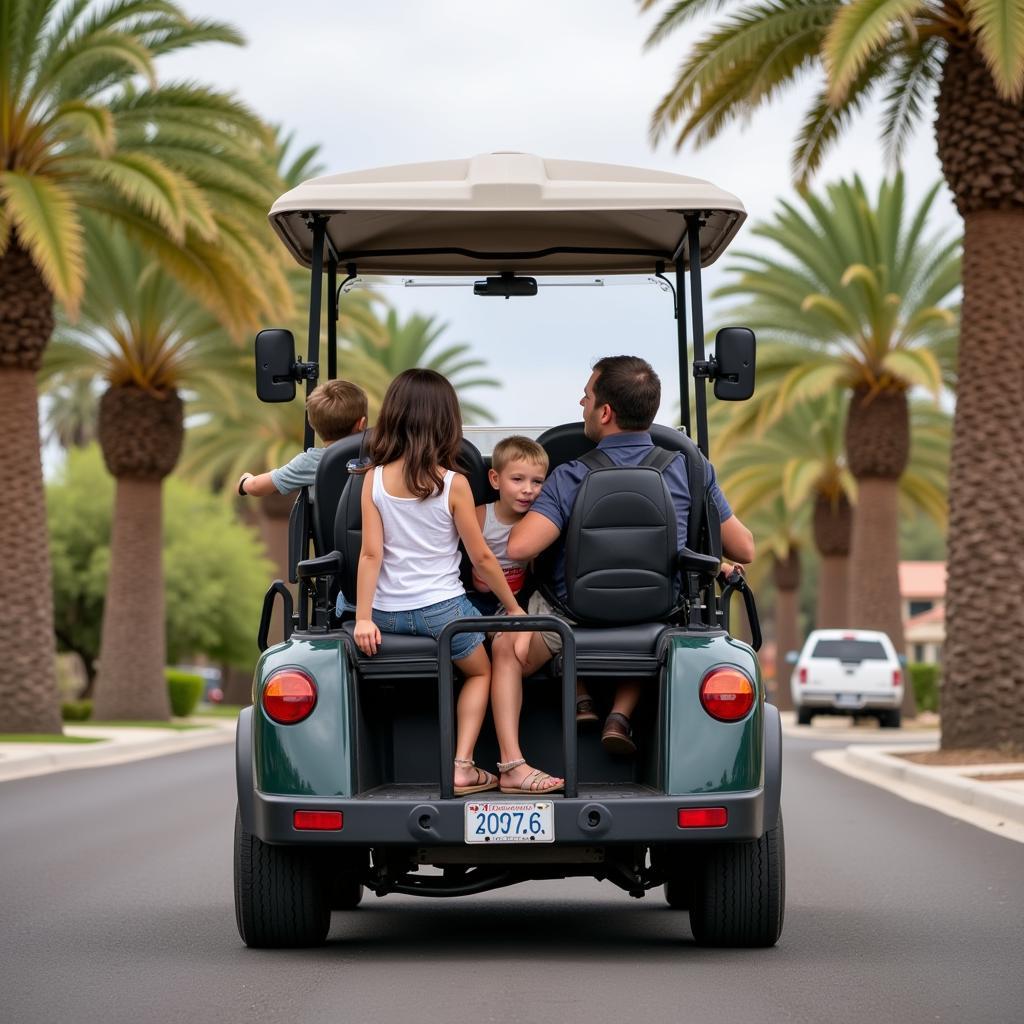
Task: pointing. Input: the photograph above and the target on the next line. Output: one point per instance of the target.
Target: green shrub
(76, 710)
(925, 680)
(185, 689)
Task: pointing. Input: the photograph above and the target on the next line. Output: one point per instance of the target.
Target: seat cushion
(398, 655)
(619, 650)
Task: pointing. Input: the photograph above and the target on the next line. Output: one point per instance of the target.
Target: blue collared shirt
(561, 488)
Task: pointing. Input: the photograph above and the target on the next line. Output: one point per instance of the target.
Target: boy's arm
(259, 486)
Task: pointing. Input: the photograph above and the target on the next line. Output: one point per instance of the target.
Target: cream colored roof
(501, 204)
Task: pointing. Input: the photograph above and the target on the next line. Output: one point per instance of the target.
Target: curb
(109, 752)
(944, 782)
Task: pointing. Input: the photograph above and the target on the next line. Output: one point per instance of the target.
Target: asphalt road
(116, 907)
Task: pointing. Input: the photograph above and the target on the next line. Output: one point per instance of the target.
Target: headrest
(567, 441)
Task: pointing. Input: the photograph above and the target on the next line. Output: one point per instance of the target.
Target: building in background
(923, 598)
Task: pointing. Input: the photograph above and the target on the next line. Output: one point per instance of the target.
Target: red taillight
(897, 677)
(803, 675)
(289, 696)
(727, 694)
(703, 817)
(318, 821)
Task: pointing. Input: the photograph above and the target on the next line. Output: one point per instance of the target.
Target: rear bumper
(846, 702)
(375, 822)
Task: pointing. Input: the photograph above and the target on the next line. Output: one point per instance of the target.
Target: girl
(415, 508)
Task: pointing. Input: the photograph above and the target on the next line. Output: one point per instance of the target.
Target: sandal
(532, 784)
(490, 781)
(617, 737)
(586, 713)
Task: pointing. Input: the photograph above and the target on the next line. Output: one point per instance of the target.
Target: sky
(402, 81)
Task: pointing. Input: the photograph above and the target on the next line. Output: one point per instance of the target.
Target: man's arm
(530, 536)
(737, 541)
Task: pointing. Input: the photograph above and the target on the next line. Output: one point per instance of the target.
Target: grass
(46, 737)
(217, 711)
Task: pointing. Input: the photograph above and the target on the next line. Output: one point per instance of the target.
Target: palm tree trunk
(130, 683)
(833, 587)
(982, 695)
(786, 573)
(29, 699)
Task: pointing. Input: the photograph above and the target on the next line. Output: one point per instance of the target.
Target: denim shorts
(431, 620)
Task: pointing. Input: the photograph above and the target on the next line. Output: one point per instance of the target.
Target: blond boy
(335, 409)
(518, 468)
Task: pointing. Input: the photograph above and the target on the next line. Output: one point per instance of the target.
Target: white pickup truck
(847, 672)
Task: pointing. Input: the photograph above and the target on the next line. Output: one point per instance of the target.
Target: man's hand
(367, 636)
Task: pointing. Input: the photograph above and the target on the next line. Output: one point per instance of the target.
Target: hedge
(185, 689)
(925, 680)
(76, 710)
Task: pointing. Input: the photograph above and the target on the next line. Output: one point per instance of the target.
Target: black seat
(398, 656)
(331, 478)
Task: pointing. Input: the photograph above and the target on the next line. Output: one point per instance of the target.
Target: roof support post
(316, 288)
(681, 343)
(694, 221)
(332, 318)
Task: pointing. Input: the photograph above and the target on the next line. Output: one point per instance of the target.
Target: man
(619, 403)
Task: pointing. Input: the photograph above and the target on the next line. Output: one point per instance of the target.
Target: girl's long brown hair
(421, 423)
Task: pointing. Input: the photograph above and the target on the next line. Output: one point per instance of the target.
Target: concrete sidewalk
(114, 745)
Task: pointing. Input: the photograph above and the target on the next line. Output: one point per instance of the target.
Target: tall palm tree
(179, 165)
(963, 62)
(860, 294)
(146, 338)
(72, 411)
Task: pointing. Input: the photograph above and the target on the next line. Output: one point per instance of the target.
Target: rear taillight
(703, 817)
(803, 674)
(727, 694)
(289, 696)
(318, 821)
(897, 677)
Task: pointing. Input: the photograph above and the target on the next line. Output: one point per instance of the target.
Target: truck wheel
(890, 719)
(346, 895)
(677, 893)
(739, 896)
(281, 900)
(804, 716)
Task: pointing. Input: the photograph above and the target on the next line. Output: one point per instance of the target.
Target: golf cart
(344, 762)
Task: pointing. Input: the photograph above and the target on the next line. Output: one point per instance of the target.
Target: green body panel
(314, 756)
(704, 755)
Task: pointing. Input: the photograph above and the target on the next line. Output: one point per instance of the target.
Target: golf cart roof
(506, 212)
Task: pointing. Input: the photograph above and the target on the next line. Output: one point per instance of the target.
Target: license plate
(510, 821)
(848, 700)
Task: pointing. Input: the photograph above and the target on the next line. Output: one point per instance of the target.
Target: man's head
(518, 468)
(336, 409)
(623, 394)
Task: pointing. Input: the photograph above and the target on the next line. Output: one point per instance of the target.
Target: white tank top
(421, 549)
(496, 535)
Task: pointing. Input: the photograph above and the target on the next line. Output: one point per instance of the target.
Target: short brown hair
(509, 449)
(631, 387)
(335, 407)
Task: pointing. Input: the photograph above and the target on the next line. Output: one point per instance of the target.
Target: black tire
(739, 897)
(281, 899)
(346, 895)
(804, 715)
(890, 719)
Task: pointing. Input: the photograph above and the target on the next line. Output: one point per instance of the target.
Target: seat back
(621, 544)
(331, 478)
(348, 520)
(567, 442)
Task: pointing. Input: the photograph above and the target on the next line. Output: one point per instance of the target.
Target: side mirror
(275, 365)
(792, 657)
(734, 357)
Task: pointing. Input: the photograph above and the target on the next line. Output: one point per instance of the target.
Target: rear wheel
(346, 895)
(677, 893)
(804, 716)
(281, 899)
(890, 719)
(739, 896)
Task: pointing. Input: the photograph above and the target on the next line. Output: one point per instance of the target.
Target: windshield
(852, 651)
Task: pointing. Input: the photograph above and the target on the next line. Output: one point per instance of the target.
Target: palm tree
(147, 338)
(179, 165)
(72, 411)
(373, 360)
(962, 60)
(861, 296)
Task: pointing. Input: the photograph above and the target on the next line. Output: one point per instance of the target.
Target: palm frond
(999, 25)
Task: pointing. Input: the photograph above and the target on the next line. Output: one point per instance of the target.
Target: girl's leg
(470, 711)
(507, 702)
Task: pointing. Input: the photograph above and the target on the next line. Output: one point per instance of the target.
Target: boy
(335, 409)
(518, 468)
